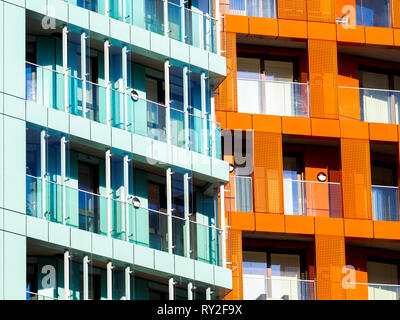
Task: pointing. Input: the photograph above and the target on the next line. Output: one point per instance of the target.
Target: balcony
(129, 222)
(385, 203)
(129, 112)
(273, 97)
(259, 8)
(311, 198)
(189, 25)
(259, 287)
(240, 194)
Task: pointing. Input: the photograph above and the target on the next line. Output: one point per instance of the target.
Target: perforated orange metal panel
(329, 260)
(321, 10)
(396, 13)
(323, 78)
(356, 178)
(236, 266)
(268, 173)
(227, 96)
(292, 9)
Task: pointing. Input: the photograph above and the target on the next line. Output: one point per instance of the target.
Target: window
(373, 13)
(253, 8)
(293, 186)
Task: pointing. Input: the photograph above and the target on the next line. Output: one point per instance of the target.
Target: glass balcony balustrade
(373, 291)
(372, 13)
(253, 8)
(240, 194)
(134, 114)
(273, 97)
(189, 25)
(261, 287)
(311, 198)
(385, 203)
(88, 211)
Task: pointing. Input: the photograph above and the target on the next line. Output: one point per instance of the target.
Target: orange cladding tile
(242, 221)
(267, 222)
(325, 128)
(299, 224)
(221, 118)
(292, 29)
(387, 230)
(267, 123)
(329, 226)
(238, 120)
(263, 26)
(358, 228)
(355, 35)
(236, 24)
(354, 129)
(383, 132)
(322, 31)
(380, 36)
(396, 37)
(296, 125)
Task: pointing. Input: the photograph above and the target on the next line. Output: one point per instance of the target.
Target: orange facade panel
(379, 36)
(241, 121)
(292, 29)
(323, 78)
(299, 224)
(387, 230)
(292, 9)
(322, 31)
(235, 242)
(396, 13)
(383, 132)
(330, 260)
(263, 26)
(268, 172)
(236, 24)
(267, 123)
(356, 178)
(321, 10)
(356, 228)
(296, 125)
(270, 222)
(325, 128)
(355, 35)
(243, 221)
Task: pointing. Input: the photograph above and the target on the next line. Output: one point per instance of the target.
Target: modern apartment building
(310, 117)
(112, 178)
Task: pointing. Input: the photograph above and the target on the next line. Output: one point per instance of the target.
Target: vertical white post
(124, 14)
(124, 85)
(166, 25)
(63, 144)
(83, 72)
(190, 291)
(66, 275)
(43, 170)
(109, 280)
(107, 80)
(213, 128)
(186, 202)
(128, 283)
(223, 226)
(169, 209)
(65, 67)
(204, 112)
(185, 79)
(183, 23)
(208, 33)
(171, 285)
(218, 28)
(167, 100)
(208, 293)
(108, 192)
(85, 278)
(107, 7)
(126, 195)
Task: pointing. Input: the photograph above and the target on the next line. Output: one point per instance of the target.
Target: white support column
(83, 72)
(171, 285)
(63, 143)
(109, 280)
(107, 7)
(208, 293)
(204, 112)
(107, 80)
(108, 192)
(124, 101)
(223, 226)
(43, 170)
(166, 25)
(190, 291)
(128, 283)
(126, 196)
(66, 275)
(167, 100)
(213, 129)
(85, 278)
(183, 20)
(218, 27)
(65, 67)
(186, 202)
(185, 79)
(169, 209)
(124, 11)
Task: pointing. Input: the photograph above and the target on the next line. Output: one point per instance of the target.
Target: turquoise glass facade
(110, 157)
